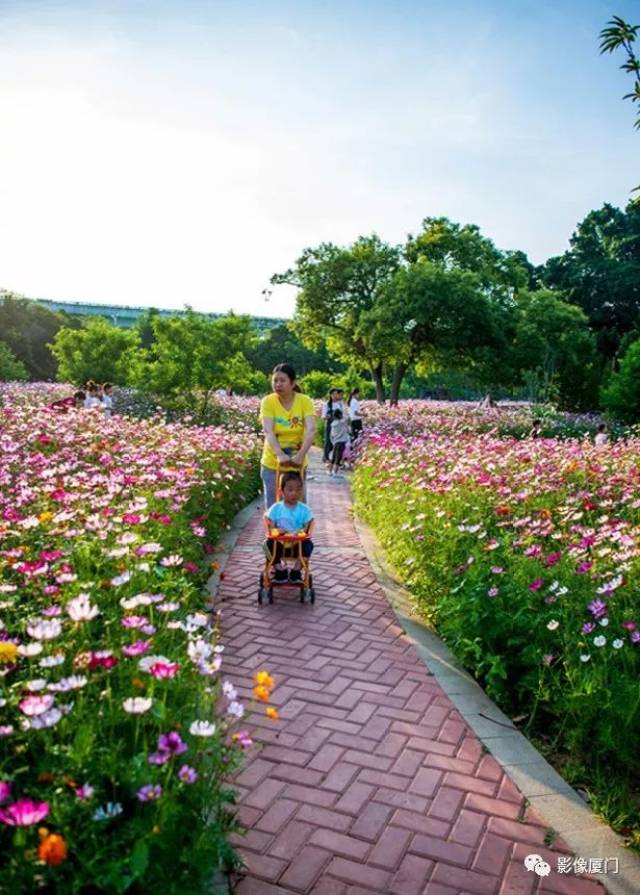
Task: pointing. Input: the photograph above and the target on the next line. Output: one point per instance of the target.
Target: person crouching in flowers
(289, 515)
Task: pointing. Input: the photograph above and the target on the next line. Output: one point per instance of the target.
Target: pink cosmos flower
(136, 649)
(187, 774)
(149, 793)
(5, 791)
(172, 743)
(84, 792)
(597, 608)
(164, 670)
(583, 567)
(36, 704)
(552, 559)
(536, 584)
(492, 592)
(24, 813)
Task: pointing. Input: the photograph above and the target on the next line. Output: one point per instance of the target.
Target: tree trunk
(398, 376)
(376, 375)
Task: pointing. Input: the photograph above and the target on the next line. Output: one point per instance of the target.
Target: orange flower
(138, 683)
(52, 848)
(264, 679)
(272, 713)
(262, 693)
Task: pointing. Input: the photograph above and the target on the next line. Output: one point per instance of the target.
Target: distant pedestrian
(333, 403)
(107, 400)
(602, 437)
(339, 441)
(92, 396)
(536, 429)
(355, 413)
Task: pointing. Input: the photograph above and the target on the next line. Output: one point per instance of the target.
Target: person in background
(64, 404)
(339, 440)
(602, 437)
(289, 425)
(536, 429)
(92, 396)
(355, 414)
(333, 403)
(107, 400)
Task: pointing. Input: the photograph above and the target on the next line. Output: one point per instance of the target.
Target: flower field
(525, 555)
(115, 726)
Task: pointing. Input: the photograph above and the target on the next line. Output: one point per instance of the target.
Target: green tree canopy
(281, 345)
(337, 287)
(28, 328)
(601, 272)
(98, 351)
(621, 394)
(11, 369)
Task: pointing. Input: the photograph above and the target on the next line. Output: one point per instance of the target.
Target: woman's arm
(309, 438)
(270, 435)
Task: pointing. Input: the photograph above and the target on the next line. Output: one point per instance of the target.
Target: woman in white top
(107, 400)
(93, 396)
(354, 413)
(332, 404)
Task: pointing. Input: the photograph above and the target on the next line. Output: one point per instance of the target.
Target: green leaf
(139, 858)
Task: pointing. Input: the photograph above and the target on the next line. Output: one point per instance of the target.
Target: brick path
(370, 782)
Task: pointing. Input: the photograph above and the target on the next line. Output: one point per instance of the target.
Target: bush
(11, 369)
(621, 395)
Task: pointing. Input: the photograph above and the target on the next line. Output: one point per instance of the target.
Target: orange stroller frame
(292, 543)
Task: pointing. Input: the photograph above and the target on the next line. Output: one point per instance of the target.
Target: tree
(280, 344)
(191, 355)
(619, 34)
(336, 288)
(621, 395)
(553, 347)
(98, 351)
(11, 369)
(28, 328)
(429, 312)
(601, 273)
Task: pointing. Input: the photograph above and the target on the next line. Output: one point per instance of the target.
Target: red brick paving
(370, 782)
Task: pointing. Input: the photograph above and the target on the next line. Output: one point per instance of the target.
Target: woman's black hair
(354, 391)
(337, 414)
(107, 385)
(287, 369)
(79, 395)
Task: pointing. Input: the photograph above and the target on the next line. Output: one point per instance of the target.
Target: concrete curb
(540, 783)
(225, 545)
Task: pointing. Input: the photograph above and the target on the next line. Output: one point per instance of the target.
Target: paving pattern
(370, 782)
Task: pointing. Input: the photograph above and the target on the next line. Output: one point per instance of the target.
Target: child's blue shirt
(291, 519)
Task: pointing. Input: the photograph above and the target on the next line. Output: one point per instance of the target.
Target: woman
(289, 425)
(333, 403)
(354, 413)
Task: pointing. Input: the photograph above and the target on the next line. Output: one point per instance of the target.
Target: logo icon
(536, 864)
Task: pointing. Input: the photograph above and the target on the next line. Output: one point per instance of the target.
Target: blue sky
(162, 153)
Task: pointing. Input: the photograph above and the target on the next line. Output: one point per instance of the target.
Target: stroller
(292, 549)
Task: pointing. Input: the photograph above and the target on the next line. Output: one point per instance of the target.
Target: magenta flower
(159, 758)
(164, 670)
(536, 584)
(588, 627)
(5, 791)
(24, 813)
(583, 567)
(36, 704)
(597, 608)
(149, 793)
(552, 559)
(136, 649)
(187, 774)
(635, 637)
(630, 626)
(172, 742)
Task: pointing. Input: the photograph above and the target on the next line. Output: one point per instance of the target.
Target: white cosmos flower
(198, 620)
(235, 709)
(137, 705)
(44, 629)
(202, 729)
(199, 650)
(30, 649)
(121, 579)
(46, 719)
(73, 682)
(553, 624)
(51, 661)
(585, 657)
(134, 602)
(599, 640)
(81, 610)
(148, 661)
(35, 685)
(604, 622)
(617, 644)
(168, 607)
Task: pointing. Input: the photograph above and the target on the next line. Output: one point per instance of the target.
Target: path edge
(224, 548)
(545, 790)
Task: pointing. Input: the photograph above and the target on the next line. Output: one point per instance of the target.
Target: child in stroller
(288, 524)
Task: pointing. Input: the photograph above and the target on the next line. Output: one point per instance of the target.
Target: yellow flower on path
(272, 713)
(262, 693)
(264, 679)
(8, 652)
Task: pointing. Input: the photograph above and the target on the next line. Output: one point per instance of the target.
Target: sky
(163, 153)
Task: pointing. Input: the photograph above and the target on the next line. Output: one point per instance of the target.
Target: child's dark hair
(79, 395)
(106, 386)
(92, 386)
(337, 414)
(602, 427)
(290, 477)
(537, 422)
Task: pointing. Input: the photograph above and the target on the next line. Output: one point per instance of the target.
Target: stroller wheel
(312, 595)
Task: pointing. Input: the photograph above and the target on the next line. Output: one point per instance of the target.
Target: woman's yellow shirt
(288, 425)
